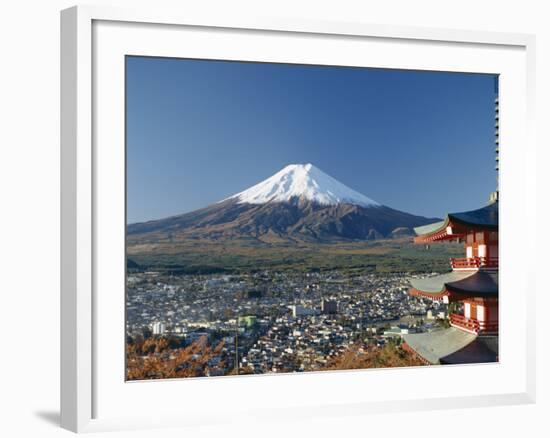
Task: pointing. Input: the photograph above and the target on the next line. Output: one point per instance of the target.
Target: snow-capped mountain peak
(303, 181)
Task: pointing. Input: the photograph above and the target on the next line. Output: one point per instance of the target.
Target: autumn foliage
(360, 357)
(153, 359)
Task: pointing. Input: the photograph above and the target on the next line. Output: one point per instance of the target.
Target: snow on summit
(303, 181)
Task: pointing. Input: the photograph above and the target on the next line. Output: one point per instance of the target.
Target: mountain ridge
(300, 202)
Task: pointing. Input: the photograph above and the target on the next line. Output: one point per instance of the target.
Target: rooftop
(466, 283)
(485, 218)
(453, 346)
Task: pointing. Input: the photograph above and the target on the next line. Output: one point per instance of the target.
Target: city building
(329, 307)
(247, 321)
(158, 328)
(298, 311)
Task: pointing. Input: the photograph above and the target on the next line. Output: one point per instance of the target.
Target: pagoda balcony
(473, 325)
(474, 263)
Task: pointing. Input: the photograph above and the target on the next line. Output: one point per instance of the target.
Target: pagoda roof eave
(451, 346)
(456, 285)
(484, 349)
(437, 296)
(455, 225)
(434, 345)
(485, 217)
(438, 283)
(437, 231)
(431, 228)
(481, 284)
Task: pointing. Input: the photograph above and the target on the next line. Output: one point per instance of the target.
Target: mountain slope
(298, 203)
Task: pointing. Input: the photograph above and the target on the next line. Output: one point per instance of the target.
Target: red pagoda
(470, 288)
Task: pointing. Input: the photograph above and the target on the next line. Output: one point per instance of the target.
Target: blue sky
(199, 131)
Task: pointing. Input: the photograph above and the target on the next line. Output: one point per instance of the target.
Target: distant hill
(131, 265)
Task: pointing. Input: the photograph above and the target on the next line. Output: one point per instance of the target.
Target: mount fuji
(298, 203)
(303, 182)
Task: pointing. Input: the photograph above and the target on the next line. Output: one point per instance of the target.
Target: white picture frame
(91, 37)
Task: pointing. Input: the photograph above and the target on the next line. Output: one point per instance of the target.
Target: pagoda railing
(473, 325)
(474, 262)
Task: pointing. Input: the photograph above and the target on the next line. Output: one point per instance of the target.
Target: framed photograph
(268, 218)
